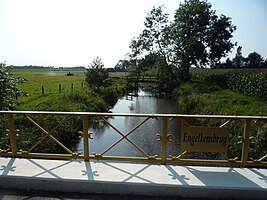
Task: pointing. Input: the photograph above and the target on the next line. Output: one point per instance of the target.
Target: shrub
(8, 88)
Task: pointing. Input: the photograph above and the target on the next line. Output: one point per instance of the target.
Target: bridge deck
(131, 178)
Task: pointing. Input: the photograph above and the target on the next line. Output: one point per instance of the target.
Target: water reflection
(145, 136)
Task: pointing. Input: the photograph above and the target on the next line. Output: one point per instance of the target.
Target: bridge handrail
(163, 136)
(137, 115)
(142, 78)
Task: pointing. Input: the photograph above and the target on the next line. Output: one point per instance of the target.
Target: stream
(145, 136)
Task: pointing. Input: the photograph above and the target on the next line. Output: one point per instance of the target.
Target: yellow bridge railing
(245, 139)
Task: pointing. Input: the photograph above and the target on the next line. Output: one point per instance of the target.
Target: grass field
(50, 80)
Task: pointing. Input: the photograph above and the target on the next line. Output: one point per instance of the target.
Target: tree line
(253, 60)
(47, 67)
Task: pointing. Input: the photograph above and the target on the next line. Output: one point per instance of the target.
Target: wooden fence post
(42, 90)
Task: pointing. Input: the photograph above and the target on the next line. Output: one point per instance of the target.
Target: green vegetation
(96, 75)
(74, 95)
(197, 98)
(50, 80)
(97, 78)
(213, 92)
(8, 88)
(196, 37)
(248, 82)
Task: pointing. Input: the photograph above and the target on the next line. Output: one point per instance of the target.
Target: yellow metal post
(164, 140)
(12, 135)
(245, 142)
(86, 137)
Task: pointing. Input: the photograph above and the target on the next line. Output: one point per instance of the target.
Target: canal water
(145, 136)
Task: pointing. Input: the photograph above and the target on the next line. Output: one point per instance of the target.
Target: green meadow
(41, 84)
(75, 95)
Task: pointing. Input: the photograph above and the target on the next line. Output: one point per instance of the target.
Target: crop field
(251, 82)
(41, 83)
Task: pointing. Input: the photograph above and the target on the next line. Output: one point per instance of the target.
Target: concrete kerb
(104, 177)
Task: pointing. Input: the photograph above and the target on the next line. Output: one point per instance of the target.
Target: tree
(228, 63)
(122, 65)
(8, 88)
(197, 37)
(254, 60)
(265, 64)
(150, 61)
(96, 75)
(238, 60)
(152, 46)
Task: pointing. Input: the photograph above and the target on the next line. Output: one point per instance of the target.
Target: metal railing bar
(44, 137)
(137, 147)
(12, 134)
(60, 144)
(113, 145)
(49, 135)
(37, 143)
(41, 128)
(263, 158)
(243, 161)
(185, 123)
(138, 115)
(180, 155)
(59, 124)
(246, 141)
(137, 159)
(125, 137)
(164, 130)
(221, 162)
(37, 125)
(140, 124)
(225, 123)
(122, 158)
(51, 156)
(111, 125)
(42, 155)
(197, 161)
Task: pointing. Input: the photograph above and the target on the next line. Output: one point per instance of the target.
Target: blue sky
(74, 32)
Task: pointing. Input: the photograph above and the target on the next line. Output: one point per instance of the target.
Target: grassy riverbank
(53, 90)
(211, 94)
(73, 94)
(199, 98)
